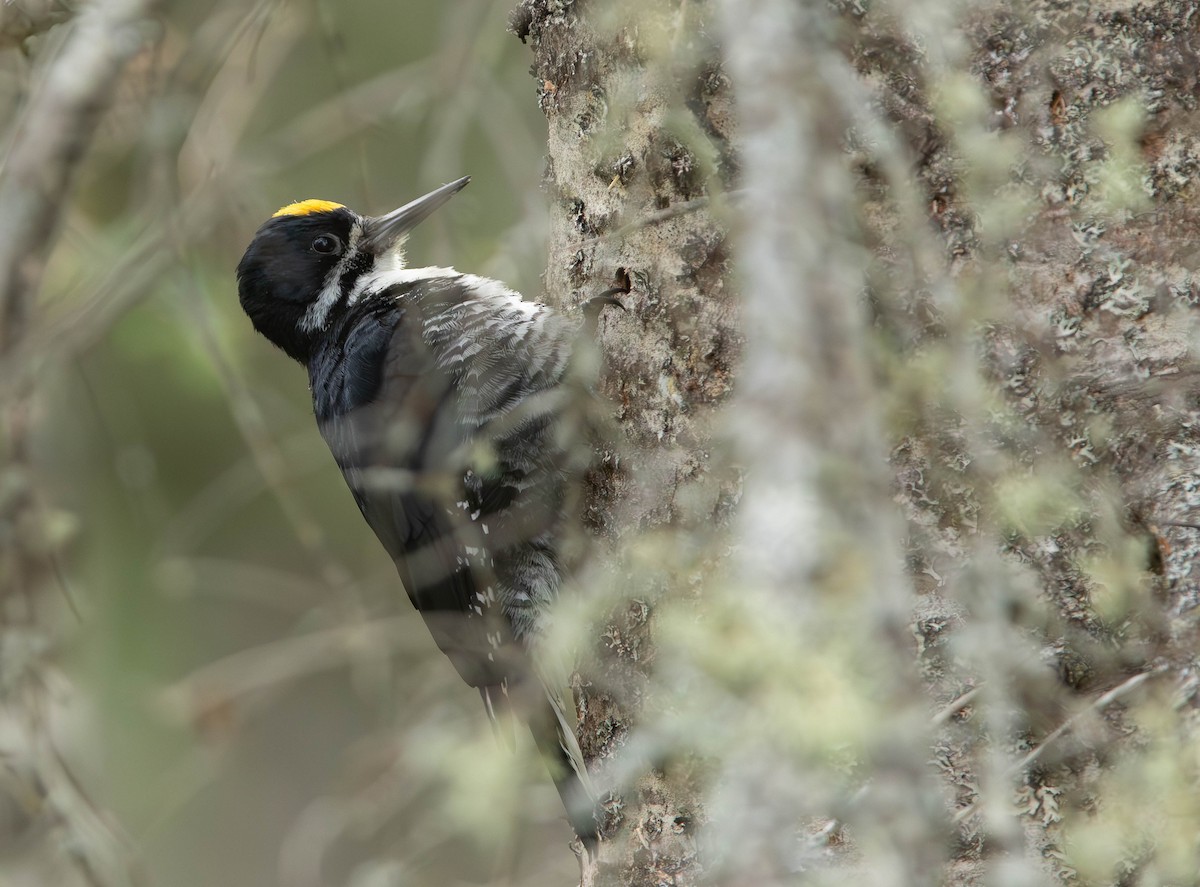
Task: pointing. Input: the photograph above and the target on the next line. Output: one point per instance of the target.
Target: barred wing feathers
(454, 464)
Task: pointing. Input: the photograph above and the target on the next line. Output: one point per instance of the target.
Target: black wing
(406, 438)
(441, 416)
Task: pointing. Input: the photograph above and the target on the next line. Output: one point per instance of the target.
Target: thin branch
(268, 457)
(278, 662)
(1101, 703)
(956, 706)
(673, 211)
(104, 854)
(51, 137)
(1181, 524)
(1098, 705)
(22, 19)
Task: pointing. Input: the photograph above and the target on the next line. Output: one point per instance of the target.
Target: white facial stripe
(317, 314)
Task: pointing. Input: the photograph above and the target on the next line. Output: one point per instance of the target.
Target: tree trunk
(967, 251)
(1028, 201)
(639, 139)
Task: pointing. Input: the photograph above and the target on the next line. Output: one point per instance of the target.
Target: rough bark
(1007, 192)
(1046, 433)
(639, 130)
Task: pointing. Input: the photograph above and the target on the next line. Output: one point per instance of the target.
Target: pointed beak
(382, 232)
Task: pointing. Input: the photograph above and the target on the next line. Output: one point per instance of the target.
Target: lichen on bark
(1052, 146)
(639, 148)
(987, 222)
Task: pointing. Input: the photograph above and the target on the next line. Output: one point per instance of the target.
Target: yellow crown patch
(307, 207)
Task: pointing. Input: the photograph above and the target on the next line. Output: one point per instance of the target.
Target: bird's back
(437, 395)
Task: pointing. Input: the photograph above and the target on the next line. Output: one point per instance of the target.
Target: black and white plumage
(439, 395)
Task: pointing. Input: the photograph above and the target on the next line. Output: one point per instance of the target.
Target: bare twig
(956, 706)
(1098, 705)
(104, 854)
(275, 663)
(1181, 524)
(397, 93)
(271, 464)
(49, 141)
(54, 340)
(22, 19)
(1102, 702)
(671, 212)
(51, 137)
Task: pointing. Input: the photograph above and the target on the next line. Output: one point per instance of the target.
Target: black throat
(346, 362)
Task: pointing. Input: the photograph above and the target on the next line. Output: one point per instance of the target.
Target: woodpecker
(440, 396)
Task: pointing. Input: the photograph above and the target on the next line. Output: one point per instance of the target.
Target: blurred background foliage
(228, 690)
(976, 665)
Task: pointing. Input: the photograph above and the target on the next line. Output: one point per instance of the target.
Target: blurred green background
(245, 694)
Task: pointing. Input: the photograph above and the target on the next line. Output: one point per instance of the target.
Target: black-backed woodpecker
(439, 394)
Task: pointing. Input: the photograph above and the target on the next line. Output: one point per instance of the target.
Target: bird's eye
(326, 243)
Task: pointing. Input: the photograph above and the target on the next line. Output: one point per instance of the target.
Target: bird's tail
(552, 724)
(554, 734)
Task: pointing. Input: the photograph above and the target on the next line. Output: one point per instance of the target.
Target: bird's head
(308, 260)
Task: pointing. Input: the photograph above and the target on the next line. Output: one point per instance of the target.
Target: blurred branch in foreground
(49, 139)
(22, 19)
(51, 136)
